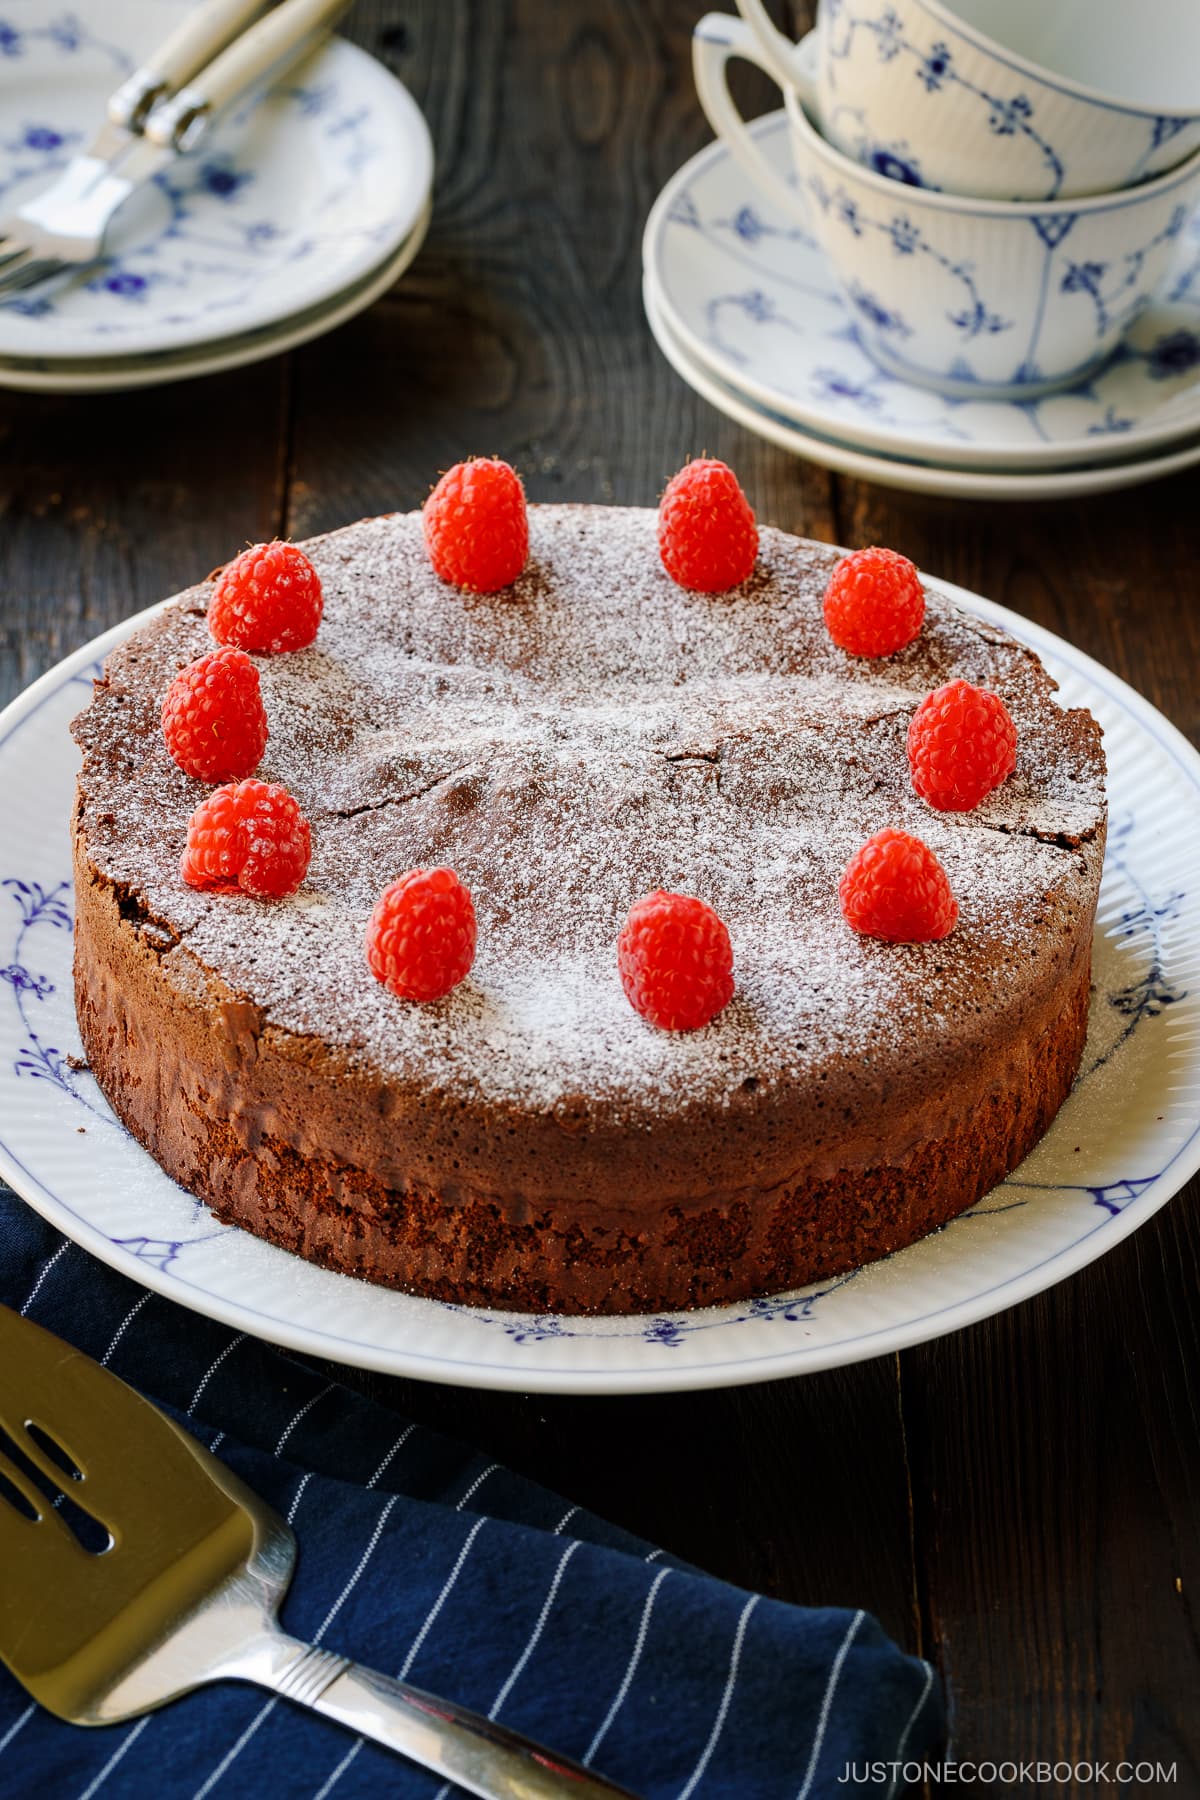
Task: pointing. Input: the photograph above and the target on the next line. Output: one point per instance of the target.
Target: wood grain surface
(1020, 1501)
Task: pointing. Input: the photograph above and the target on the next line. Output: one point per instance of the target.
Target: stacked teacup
(997, 184)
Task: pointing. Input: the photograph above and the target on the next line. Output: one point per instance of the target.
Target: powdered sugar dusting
(594, 733)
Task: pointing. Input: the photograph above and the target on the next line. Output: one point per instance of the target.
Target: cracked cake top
(567, 745)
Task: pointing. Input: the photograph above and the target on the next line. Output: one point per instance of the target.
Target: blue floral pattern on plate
(751, 294)
(301, 190)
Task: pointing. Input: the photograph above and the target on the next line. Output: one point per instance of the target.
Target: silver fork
(202, 34)
(68, 234)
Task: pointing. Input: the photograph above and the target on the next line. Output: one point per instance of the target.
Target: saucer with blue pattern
(749, 295)
(908, 473)
(303, 189)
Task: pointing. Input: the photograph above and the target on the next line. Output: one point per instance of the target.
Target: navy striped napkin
(422, 1559)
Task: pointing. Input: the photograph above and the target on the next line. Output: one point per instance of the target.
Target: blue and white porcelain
(1008, 99)
(904, 473)
(301, 192)
(990, 298)
(118, 374)
(1135, 1116)
(747, 292)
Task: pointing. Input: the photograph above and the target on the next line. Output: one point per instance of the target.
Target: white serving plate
(749, 294)
(300, 192)
(1126, 1140)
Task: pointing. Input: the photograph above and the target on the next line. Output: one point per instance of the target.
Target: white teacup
(986, 299)
(1005, 99)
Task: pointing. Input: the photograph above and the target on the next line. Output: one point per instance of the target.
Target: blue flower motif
(834, 385)
(904, 234)
(10, 40)
(748, 225)
(1083, 278)
(125, 284)
(847, 212)
(668, 1332)
(536, 1329)
(935, 67)
(1175, 354)
(42, 1062)
(66, 32)
(25, 981)
(40, 905)
(41, 137)
(756, 305)
(877, 314)
(894, 166)
(1009, 116)
(976, 318)
(261, 233)
(1111, 422)
(1147, 997)
(888, 35)
(35, 306)
(314, 101)
(221, 180)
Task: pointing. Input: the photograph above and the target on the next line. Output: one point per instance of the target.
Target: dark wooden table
(1020, 1502)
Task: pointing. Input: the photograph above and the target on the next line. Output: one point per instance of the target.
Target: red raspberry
(213, 717)
(961, 744)
(874, 603)
(267, 600)
(675, 961)
(477, 526)
(895, 888)
(421, 935)
(250, 835)
(707, 537)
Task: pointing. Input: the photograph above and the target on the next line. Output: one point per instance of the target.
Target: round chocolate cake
(590, 734)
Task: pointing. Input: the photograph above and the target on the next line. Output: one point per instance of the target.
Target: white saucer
(118, 373)
(911, 477)
(749, 294)
(1126, 1140)
(299, 194)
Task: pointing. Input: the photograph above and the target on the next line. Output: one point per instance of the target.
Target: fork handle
(179, 123)
(180, 56)
(476, 1753)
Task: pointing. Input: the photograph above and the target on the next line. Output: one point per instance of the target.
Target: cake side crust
(169, 1077)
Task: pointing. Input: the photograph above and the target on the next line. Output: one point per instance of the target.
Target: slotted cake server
(149, 1569)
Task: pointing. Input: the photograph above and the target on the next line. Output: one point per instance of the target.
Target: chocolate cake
(592, 733)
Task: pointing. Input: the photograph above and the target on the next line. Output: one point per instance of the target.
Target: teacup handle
(716, 41)
(778, 49)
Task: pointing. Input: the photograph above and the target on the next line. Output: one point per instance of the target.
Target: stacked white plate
(745, 307)
(308, 202)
